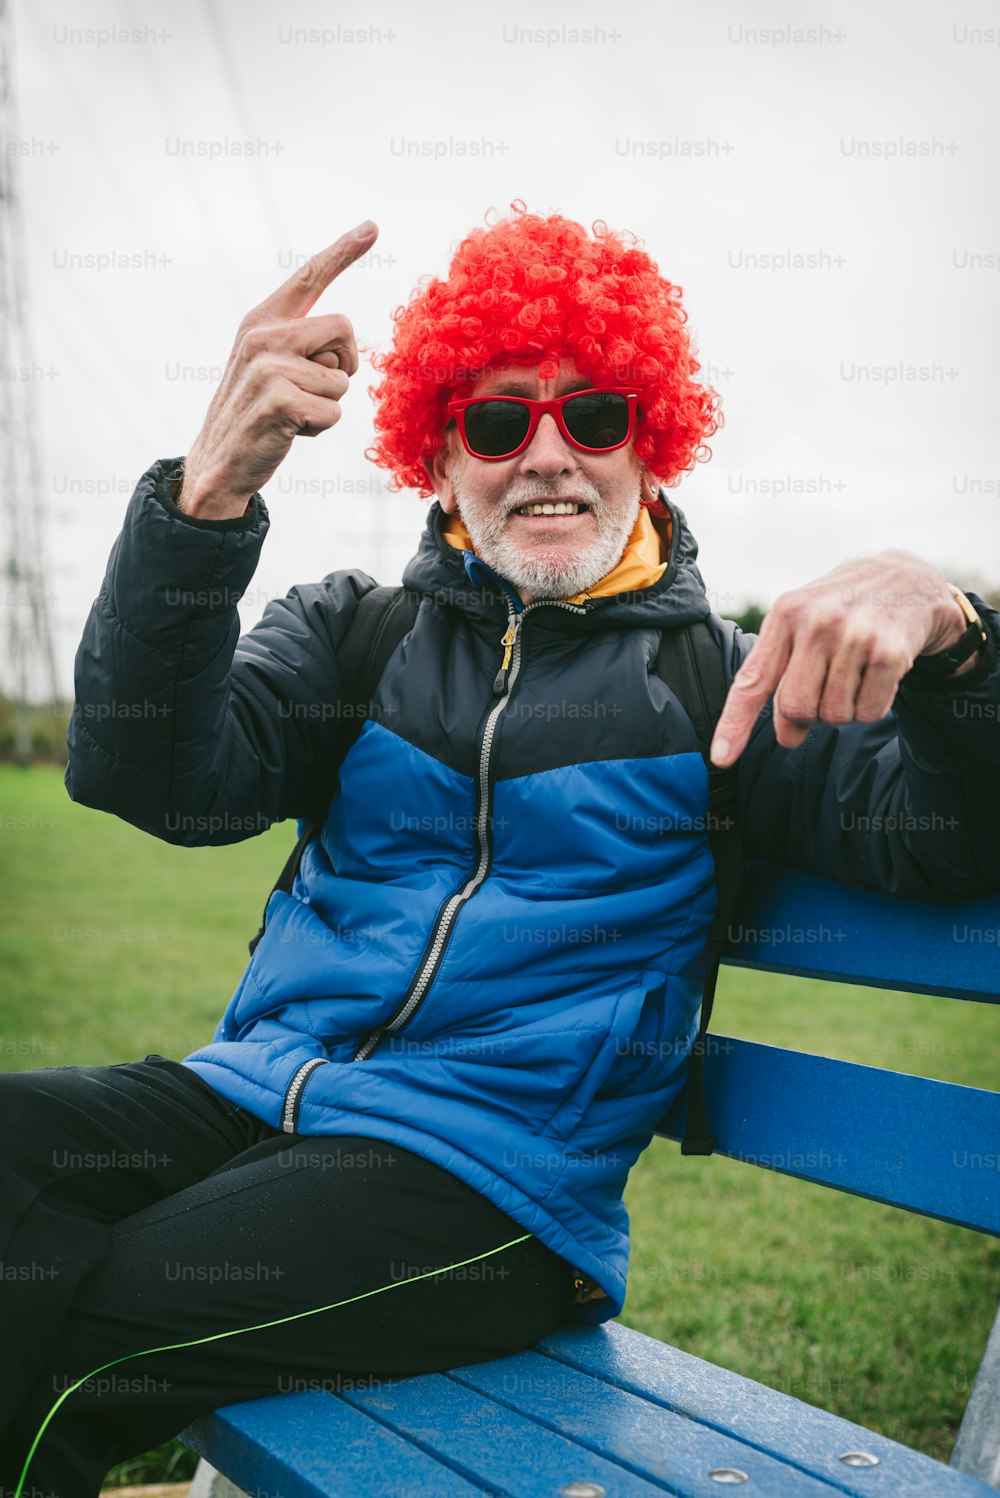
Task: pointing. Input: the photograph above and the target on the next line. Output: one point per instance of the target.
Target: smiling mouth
(547, 507)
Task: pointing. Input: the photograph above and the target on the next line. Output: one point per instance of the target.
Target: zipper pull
(507, 641)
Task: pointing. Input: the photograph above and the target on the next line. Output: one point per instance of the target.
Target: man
(462, 1023)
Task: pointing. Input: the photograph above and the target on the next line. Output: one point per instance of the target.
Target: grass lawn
(115, 945)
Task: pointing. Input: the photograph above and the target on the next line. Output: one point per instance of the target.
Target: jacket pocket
(623, 1052)
(653, 1049)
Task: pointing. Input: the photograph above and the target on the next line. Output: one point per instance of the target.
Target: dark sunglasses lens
(494, 428)
(597, 419)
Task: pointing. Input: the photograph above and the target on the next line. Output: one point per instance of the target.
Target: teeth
(561, 507)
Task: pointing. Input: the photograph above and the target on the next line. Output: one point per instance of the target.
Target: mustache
(531, 494)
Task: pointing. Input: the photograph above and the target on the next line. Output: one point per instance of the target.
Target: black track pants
(138, 1207)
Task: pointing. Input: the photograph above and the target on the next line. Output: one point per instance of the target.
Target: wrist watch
(947, 661)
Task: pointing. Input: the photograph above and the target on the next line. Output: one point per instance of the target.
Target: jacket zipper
(293, 1097)
(447, 915)
(503, 686)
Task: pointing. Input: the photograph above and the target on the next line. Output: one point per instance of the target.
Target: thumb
(327, 357)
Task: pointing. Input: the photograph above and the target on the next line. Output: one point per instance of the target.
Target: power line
(270, 210)
(231, 273)
(79, 336)
(108, 172)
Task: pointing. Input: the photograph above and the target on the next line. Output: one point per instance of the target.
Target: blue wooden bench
(594, 1411)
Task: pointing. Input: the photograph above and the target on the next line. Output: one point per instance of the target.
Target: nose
(548, 454)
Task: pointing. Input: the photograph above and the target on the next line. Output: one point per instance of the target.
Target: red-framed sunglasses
(501, 426)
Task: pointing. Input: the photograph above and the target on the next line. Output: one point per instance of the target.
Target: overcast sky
(858, 141)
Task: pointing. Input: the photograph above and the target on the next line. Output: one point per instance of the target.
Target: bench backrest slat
(928, 1146)
(931, 1147)
(791, 921)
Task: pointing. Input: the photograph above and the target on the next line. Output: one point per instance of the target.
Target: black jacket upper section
(198, 735)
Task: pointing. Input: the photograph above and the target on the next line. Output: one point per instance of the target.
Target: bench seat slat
(315, 1445)
(779, 1424)
(791, 921)
(931, 1147)
(602, 1422)
(529, 1442)
(494, 1445)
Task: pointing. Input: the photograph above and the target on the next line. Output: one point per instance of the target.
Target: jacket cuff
(167, 569)
(173, 468)
(934, 686)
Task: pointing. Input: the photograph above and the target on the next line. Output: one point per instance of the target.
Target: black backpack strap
(690, 661)
(383, 616)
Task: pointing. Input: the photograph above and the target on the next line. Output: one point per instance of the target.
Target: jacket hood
(455, 575)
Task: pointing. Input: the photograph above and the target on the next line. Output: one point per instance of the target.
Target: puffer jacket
(514, 876)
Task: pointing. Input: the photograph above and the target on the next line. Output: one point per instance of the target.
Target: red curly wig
(531, 290)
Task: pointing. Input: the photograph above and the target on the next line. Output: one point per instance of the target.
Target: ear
(438, 472)
(650, 488)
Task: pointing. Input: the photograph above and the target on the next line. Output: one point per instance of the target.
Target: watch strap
(945, 662)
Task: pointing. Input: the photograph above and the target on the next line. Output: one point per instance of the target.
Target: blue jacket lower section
(561, 1016)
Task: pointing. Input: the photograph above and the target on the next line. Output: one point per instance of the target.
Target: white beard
(545, 572)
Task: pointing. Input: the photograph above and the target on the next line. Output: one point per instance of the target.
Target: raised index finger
(296, 295)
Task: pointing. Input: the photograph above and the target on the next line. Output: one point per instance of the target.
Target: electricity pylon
(30, 669)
